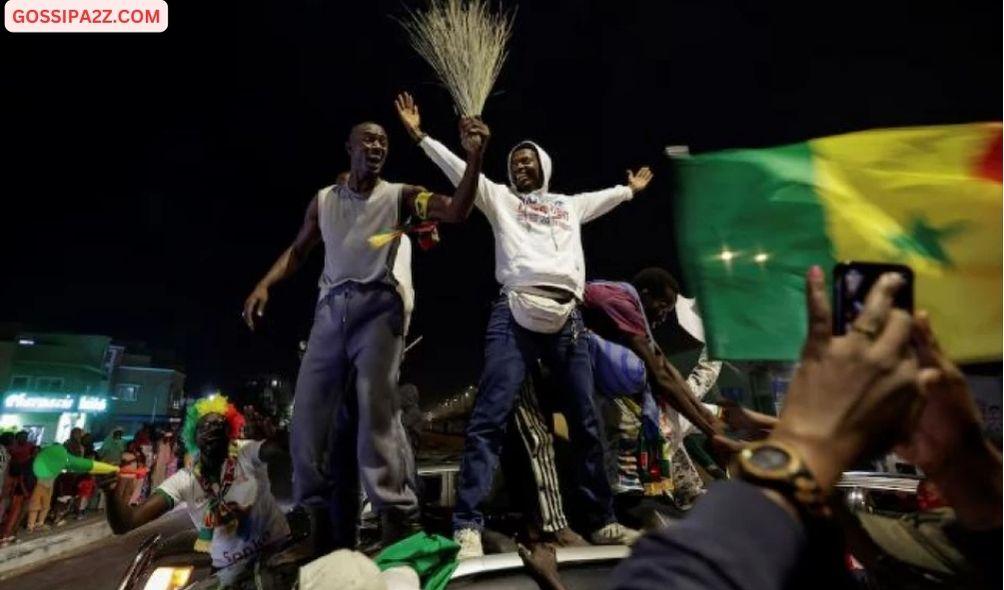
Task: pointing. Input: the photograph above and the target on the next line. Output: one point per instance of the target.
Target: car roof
(498, 562)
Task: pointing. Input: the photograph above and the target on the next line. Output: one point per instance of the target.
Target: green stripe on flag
(749, 225)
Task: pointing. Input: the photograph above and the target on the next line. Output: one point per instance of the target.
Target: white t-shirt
(250, 490)
(538, 239)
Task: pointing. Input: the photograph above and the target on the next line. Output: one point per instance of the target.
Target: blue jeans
(509, 350)
(354, 349)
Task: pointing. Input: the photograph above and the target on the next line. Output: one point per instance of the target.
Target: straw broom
(465, 43)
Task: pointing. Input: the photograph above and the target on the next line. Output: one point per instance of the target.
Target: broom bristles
(465, 44)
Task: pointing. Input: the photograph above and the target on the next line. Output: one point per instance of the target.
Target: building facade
(53, 382)
(142, 393)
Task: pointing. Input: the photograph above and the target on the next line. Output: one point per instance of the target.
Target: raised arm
(288, 263)
(121, 516)
(671, 386)
(426, 205)
(594, 204)
(452, 165)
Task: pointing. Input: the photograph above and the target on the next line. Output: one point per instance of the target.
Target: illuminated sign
(37, 403)
(29, 402)
(89, 403)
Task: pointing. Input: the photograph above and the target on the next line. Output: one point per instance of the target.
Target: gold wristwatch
(775, 465)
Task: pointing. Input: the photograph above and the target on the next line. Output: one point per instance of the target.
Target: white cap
(402, 577)
(342, 570)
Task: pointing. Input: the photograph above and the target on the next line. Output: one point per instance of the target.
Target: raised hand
(948, 442)
(851, 394)
(637, 181)
(254, 306)
(407, 110)
(474, 135)
(949, 425)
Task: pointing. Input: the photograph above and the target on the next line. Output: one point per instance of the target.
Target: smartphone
(851, 283)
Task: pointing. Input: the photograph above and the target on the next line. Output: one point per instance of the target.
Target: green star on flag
(750, 222)
(925, 240)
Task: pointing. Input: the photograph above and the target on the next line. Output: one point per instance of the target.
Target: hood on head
(545, 165)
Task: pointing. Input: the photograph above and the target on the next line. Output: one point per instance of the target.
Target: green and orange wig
(216, 403)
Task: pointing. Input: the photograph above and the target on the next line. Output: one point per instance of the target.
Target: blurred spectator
(129, 475)
(178, 450)
(39, 503)
(164, 458)
(6, 439)
(140, 448)
(258, 426)
(65, 486)
(85, 483)
(22, 451)
(113, 447)
(74, 444)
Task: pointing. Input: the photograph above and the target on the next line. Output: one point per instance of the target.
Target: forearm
(119, 513)
(284, 266)
(670, 385)
(598, 203)
(463, 198)
(451, 165)
(675, 390)
(971, 485)
(416, 133)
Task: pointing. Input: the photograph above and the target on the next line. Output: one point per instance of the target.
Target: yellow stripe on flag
(918, 196)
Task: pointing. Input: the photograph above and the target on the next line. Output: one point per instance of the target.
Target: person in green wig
(226, 491)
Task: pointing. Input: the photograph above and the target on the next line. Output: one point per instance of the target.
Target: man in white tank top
(358, 333)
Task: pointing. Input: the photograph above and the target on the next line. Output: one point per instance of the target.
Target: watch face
(770, 458)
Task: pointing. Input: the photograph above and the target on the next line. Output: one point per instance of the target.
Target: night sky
(150, 180)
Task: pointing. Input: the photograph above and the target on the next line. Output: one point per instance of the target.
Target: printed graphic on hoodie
(535, 210)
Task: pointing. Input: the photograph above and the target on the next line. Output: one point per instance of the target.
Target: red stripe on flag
(989, 164)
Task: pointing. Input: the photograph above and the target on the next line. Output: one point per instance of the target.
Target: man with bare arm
(358, 333)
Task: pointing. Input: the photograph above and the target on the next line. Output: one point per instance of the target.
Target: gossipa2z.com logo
(85, 16)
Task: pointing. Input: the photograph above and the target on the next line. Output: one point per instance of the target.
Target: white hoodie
(538, 242)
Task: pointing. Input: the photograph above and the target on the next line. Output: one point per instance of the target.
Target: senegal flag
(752, 221)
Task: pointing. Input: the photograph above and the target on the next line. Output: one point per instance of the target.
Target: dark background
(150, 180)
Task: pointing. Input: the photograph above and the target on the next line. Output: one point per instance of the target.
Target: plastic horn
(55, 459)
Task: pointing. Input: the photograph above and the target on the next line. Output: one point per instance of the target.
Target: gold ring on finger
(870, 333)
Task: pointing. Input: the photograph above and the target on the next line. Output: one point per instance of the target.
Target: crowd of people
(557, 343)
(29, 503)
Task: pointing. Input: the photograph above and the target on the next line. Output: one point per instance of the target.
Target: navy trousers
(509, 350)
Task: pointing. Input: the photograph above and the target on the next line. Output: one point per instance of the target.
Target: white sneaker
(470, 543)
(614, 534)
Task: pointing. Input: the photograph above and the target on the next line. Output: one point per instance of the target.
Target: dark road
(98, 566)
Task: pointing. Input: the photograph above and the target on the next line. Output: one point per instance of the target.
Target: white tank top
(347, 221)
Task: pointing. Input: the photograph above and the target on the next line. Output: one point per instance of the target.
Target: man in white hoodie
(540, 264)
